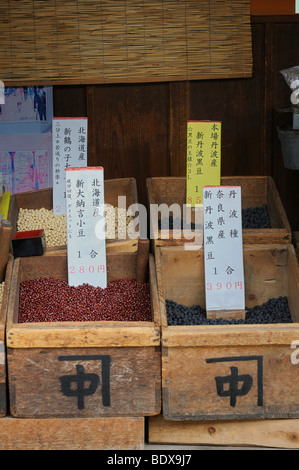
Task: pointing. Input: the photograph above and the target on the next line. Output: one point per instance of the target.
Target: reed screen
(108, 41)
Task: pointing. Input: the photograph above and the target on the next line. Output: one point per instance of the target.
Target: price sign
(69, 149)
(223, 250)
(203, 158)
(86, 244)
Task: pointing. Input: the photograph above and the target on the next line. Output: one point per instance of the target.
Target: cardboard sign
(223, 250)
(86, 244)
(203, 158)
(69, 148)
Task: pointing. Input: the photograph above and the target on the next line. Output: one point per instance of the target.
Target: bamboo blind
(113, 41)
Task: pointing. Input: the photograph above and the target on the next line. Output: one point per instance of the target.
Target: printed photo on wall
(27, 109)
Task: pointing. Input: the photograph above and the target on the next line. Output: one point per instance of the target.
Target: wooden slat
(279, 433)
(72, 434)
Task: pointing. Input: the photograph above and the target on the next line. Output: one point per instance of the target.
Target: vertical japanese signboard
(223, 249)
(203, 158)
(69, 149)
(85, 211)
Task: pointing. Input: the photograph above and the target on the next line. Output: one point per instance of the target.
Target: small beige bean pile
(35, 219)
(1, 292)
(117, 224)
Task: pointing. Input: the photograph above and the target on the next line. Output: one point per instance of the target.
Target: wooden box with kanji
(264, 217)
(213, 371)
(84, 368)
(39, 203)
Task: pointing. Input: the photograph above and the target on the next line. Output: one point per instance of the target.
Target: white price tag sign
(69, 149)
(223, 248)
(86, 243)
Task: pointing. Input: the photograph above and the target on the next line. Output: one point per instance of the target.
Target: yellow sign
(203, 158)
(4, 204)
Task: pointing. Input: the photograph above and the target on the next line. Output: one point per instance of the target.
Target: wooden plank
(276, 433)
(205, 391)
(179, 102)
(72, 434)
(3, 315)
(132, 139)
(296, 243)
(84, 382)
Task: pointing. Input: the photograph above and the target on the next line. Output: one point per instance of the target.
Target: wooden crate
(3, 314)
(124, 355)
(194, 356)
(72, 434)
(43, 198)
(256, 191)
(274, 433)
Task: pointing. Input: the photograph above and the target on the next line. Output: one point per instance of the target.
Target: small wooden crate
(274, 433)
(255, 190)
(124, 355)
(196, 359)
(3, 314)
(72, 434)
(43, 198)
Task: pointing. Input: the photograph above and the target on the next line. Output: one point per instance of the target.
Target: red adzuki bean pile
(46, 299)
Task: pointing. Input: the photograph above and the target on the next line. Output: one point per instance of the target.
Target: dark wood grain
(139, 130)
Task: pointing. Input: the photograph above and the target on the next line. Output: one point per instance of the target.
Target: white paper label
(86, 244)
(223, 248)
(69, 149)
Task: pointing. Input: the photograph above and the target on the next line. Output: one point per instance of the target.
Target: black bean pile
(252, 217)
(176, 223)
(256, 217)
(275, 310)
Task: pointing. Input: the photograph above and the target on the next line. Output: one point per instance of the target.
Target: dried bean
(117, 224)
(252, 217)
(256, 217)
(54, 225)
(47, 299)
(275, 310)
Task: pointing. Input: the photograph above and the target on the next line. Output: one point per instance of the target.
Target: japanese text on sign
(69, 145)
(85, 213)
(223, 248)
(203, 158)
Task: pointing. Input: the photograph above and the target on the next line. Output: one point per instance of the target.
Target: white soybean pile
(118, 224)
(35, 219)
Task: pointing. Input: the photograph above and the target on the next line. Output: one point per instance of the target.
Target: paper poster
(203, 158)
(223, 248)
(26, 110)
(69, 142)
(26, 161)
(86, 244)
